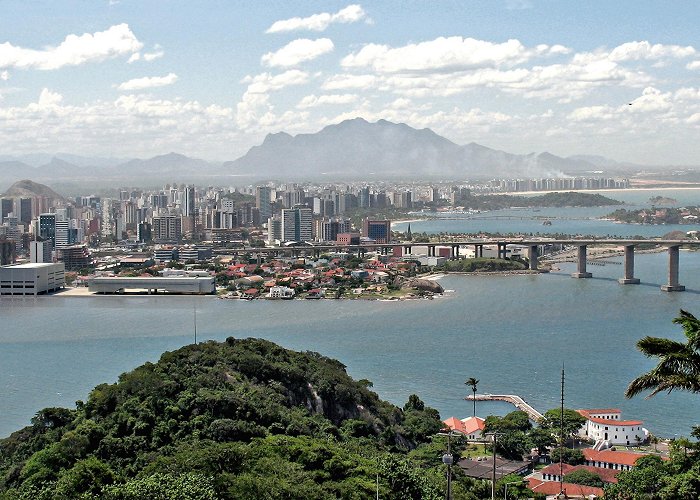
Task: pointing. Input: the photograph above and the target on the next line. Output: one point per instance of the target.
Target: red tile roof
(473, 424)
(572, 490)
(466, 426)
(607, 475)
(607, 421)
(612, 457)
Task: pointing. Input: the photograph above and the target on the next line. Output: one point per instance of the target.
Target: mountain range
(351, 149)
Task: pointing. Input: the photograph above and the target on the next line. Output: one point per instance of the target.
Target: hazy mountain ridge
(350, 149)
(360, 148)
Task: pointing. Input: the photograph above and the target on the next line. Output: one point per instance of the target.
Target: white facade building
(31, 279)
(605, 426)
(281, 292)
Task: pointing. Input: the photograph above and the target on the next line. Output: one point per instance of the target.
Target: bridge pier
(629, 278)
(502, 250)
(431, 250)
(478, 251)
(673, 285)
(581, 265)
(532, 256)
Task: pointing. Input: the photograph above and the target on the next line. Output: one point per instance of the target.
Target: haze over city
(135, 79)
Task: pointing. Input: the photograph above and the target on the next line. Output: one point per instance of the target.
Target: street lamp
(448, 460)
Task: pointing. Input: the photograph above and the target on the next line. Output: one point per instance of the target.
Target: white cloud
(73, 51)
(152, 56)
(4, 75)
(136, 124)
(445, 54)
(48, 99)
(693, 65)
(297, 51)
(652, 100)
(636, 51)
(148, 82)
(348, 81)
(319, 22)
(312, 101)
(147, 56)
(254, 107)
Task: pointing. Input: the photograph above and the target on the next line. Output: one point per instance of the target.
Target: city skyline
(211, 80)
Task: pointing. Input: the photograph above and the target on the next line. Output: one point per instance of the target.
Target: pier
(516, 401)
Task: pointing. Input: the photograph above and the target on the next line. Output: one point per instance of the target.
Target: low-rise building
(606, 426)
(32, 278)
(471, 427)
(281, 292)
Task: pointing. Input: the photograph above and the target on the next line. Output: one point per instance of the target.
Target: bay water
(513, 333)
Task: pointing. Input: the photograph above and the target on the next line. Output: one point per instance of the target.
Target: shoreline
(695, 187)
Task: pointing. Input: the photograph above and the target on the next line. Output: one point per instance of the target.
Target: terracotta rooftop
(607, 475)
(571, 490)
(613, 457)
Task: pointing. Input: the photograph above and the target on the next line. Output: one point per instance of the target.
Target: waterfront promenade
(513, 399)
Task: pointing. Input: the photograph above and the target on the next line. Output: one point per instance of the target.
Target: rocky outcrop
(422, 285)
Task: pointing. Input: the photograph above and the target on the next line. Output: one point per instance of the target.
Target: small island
(662, 200)
(684, 215)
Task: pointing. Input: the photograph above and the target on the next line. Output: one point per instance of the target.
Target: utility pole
(561, 443)
(494, 435)
(448, 460)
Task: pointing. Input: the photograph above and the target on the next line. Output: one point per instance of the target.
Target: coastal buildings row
(559, 184)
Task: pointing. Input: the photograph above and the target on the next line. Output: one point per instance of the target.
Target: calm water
(564, 220)
(512, 333)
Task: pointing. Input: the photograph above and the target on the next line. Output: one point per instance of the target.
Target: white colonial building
(606, 428)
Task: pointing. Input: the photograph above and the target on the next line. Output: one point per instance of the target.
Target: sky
(209, 79)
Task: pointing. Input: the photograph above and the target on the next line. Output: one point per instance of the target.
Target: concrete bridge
(533, 245)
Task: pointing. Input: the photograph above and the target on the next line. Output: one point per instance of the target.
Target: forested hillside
(237, 419)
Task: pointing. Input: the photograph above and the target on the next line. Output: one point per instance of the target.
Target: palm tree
(679, 363)
(472, 382)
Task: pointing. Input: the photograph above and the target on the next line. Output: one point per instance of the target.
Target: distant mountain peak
(27, 188)
(358, 148)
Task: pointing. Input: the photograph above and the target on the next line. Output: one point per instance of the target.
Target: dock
(516, 401)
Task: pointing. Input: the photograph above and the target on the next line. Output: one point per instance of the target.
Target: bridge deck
(513, 399)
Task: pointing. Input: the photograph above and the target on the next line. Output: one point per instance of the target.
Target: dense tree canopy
(225, 420)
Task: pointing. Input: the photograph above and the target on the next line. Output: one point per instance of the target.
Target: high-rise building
(7, 252)
(167, 228)
(378, 230)
(25, 212)
(297, 224)
(144, 232)
(328, 229)
(263, 201)
(40, 251)
(189, 205)
(6, 208)
(47, 229)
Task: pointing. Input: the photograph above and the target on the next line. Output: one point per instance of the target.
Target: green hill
(236, 419)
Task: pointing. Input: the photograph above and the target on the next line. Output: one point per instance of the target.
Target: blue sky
(211, 78)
